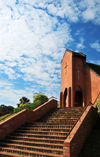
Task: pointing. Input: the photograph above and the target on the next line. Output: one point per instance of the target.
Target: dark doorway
(78, 97)
(65, 98)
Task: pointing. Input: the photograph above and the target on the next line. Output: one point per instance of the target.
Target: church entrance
(65, 98)
(78, 97)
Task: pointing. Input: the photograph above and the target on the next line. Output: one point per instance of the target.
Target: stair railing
(30, 108)
(89, 104)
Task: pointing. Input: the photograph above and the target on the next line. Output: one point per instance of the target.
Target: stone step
(43, 138)
(46, 126)
(38, 135)
(61, 121)
(45, 129)
(34, 139)
(70, 123)
(64, 115)
(31, 144)
(65, 112)
(28, 150)
(6, 153)
(43, 132)
(62, 118)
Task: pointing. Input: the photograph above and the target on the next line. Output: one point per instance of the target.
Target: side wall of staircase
(12, 123)
(81, 130)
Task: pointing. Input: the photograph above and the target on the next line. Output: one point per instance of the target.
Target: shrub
(40, 97)
(98, 106)
(30, 106)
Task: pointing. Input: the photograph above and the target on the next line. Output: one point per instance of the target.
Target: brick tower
(80, 81)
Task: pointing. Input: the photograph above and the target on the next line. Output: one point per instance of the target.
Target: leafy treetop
(24, 100)
(40, 97)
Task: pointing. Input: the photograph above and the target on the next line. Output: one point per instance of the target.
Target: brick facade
(79, 83)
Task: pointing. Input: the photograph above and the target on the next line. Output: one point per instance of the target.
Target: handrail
(21, 110)
(82, 114)
(30, 108)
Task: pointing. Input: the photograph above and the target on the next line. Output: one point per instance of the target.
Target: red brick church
(80, 81)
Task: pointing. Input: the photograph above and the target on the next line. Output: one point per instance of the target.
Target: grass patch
(98, 106)
(30, 106)
(2, 118)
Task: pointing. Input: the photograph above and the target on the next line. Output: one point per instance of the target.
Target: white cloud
(13, 96)
(90, 10)
(95, 62)
(96, 45)
(35, 34)
(88, 14)
(33, 40)
(64, 9)
(5, 83)
(80, 45)
(79, 31)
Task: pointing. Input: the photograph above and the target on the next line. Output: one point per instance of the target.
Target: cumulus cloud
(64, 9)
(96, 45)
(80, 45)
(90, 10)
(34, 36)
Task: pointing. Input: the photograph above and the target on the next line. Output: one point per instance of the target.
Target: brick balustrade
(12, 123)
(75, 140)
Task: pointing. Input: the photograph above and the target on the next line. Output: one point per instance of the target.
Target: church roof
(94, 67)
(78, 54)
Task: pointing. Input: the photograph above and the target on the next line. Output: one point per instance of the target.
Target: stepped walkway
(43, 138)
(91, 147)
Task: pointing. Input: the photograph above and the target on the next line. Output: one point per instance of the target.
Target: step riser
(43, 129)
(51, 141)
(31, 145)
(41, 136)
(44, 133)
(13, 150)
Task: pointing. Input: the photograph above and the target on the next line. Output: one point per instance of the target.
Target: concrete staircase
(43, 138)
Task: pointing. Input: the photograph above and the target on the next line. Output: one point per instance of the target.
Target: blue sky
(33, 37)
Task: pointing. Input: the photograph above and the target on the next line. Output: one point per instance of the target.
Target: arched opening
(78, 97)
(65, 98)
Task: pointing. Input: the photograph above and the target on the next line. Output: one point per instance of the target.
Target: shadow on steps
(91, 147)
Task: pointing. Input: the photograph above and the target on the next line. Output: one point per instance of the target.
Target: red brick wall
(11, 124)
(71, 78)
(92, 85)
(88, 81)
(41, 110)
(66, 79)
(79, 82)
(75, 140)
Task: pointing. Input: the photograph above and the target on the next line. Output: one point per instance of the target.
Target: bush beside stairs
(43, 138)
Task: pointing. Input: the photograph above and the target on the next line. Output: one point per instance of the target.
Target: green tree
(7, 109)
(18, 105)
(10, 109)
(24, 100)
(3, 108)
(40, 97)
